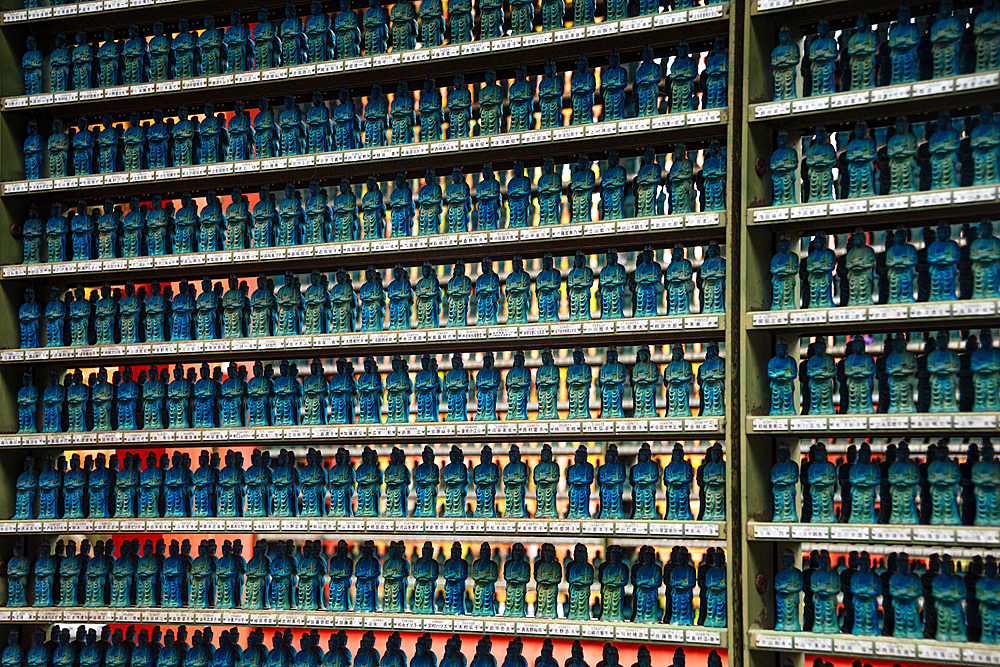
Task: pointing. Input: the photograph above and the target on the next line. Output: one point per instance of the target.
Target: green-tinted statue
(784, 59)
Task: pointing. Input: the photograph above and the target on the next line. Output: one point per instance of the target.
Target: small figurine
(580, 576)
(677, 282)
(788, 585)
(985, 142)
(905, 591)
(546, 478)
(949, 592)
(515, 482)
(822, 479)
(490, 98)
(487, 389)
(404, 26)
(862, 47)
(459, 105)
(578, 288)
(395, 575)
(821, 371)
(82, 57)
(266, 42)
(579, 378)
(518, 284)
(944, 154)
(579, 480)
(782, 371)
(317, 36)
(186, 59)
(210, 47)
(611, 384)
(683, 71)
(550, 94)
(945, 37)
(784, 59)
(291, 129)
(430, 99)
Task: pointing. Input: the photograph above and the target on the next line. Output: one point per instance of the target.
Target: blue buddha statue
(784, 59)
(83, 61)
(945, 37)
(580, 577)
(401, 207)
(82, 232)
(210, 48)
(520, 211)
(376, 114)
(683, 72)
(820, 158)
(862, 47)
(266, 42)
(985, 142)
(316, 40)
(32, 232)
(342, 482)
(291, 129)
(822, 479)
(823, 52)
(265, 131)
(861, 156)
(428, 389)
(820, 265)
(949, 592)
(456, 388)
(58, 145)
(404, 26)
(401, 299)
(430, 97)
(521, 92)
(984, 253)
(611, 384)
(33, 147)
(944, 154)
(904, 38)
(397, 484)
(578, 288)
(678, 283)
(369, 478)
(398, 391)
(550, 93)
(136, 57)
(367, 571)
(784, 161)
(613, 189)
(458, 197)
(258, 579)
(239, 45)
(901, 262)
(56, 229)
(240, 134)
(488, 294)
(341, 572)
(549, 195)
(401, 113)
(60, 60)
(581, 190)
(429, 205)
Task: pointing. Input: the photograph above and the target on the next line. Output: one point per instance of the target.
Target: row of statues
(160, 228)
(895, 490)
(941, 270)
(902, 597)
(947, 159)
(336, 125)
(142, 57)
(282, 488)
(953, 43)
(109, 317)
(125, 648)
(277, 577)
(938, 381)
(202, 398)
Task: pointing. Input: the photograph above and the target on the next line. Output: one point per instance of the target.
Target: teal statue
(429, 205)
(678, 283)
(490, 96)
(784, 59)
(82, 232)
(45, 574)
(782, 371)
(231, 490)
(186, 140)
(319, 40)
(610, 484)
(370, 391)
(316, 305)
(549, 195)
(401, 207)
(460, 21)
(611, 383)
(485, 477)
(341, 571)
(343, 393)
(373, 210)
(404, 26)
(458, 197)
(83, 61)
(487, 390)
(949, 592)
(485, 573)
(55, 318)
(645, 283)
(579, 480)
(550, 94)
(647, 578)
(430, 97)
(258, 578)
(59, 64)
(611, 286)
(678, 476)
(945, 37)
(372, 301)
(315, 395)
(580, 577)
(210, 229)
(644, 478)
(683, 72)
(548, 576)
(431, 23)
(489, 200)
(943, 478)
(905, 590)
(712, 280)
(186, 56)
(521, 92)
(283, 575)
(33, 147)
(518, 287)
(820, 265)
(70, 569)
(58, 146)
(488, 295)
(241, 134)
(210, 48)
(27, 487)
(784, 161)
(520, 210)
(515, 483)
(400, 296)
(151, 485)
(613, 189)
(862, 47)
(425, 577)
(583, 85)
(861, 155)
(426, 478)
(291, 129)
(369, 476)
(717, 76)
(262, 308)
(393, 656)
(865, 480)
(318, 126)
(401, 111)
(179, 400)
(943, 366)
(265, 131)
(548, 284)
(31, 64)
(986, 28)
(645, 381)
(904, 38)
(821, 371)
(985, 141)
(712, 476)
(613, 576)
(29, 315)
(516, 574)
(455, 480)
(822, 479)
(33, 230)
(395, 575)
(788, 585)
(944, 146)
(456, 389)
(713, 178)
(376, 115)
(459, 97)
(579, 377)
(346, 223)
(825, 587)
(904, 478)
(582, 190)
(398, 390)
(105, 313)
(518, 384)
(546, 478)
(456, 573)
(860, 262)
(265, 42)
(819, 159)
(859, 371)
(99, 483)
(985, 474)
(986, 374)
(942, 258)
(901, 263)
(578, 288)
(158, 53)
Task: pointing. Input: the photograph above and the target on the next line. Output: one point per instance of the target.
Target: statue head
(611, 456)
(944, 121)
(427, 455)
(486, 455)
(985, 229)
(580, 455)
(863, 24)
(943, 232)
(580, 556)
(782, 139)
(612, 355)
(578, 356)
